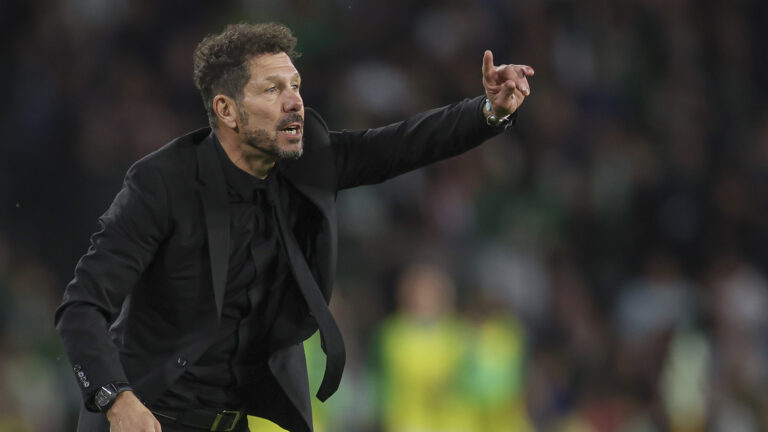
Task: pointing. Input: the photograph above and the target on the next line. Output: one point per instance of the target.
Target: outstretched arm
(370, 156)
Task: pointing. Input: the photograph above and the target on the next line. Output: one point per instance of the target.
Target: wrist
(491, 118)
(108, 394)
(121, 401)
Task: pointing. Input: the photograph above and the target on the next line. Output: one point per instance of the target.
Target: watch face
(103, 396)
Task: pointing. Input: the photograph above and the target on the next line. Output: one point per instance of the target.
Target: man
(216, 259)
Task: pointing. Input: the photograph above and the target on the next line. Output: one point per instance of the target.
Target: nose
(293, 102)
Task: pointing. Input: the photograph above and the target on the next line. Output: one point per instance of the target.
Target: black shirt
(257, 265)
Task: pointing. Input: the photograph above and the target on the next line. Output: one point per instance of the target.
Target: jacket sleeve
(371, 156)
(128, 236)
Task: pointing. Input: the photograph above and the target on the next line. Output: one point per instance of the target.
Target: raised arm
(373, 155)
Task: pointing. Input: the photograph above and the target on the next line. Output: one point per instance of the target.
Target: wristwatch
(106, 395)
(491, 119)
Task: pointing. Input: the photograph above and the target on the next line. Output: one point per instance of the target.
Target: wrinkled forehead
(273, 66)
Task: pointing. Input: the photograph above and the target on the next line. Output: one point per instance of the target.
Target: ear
(226, 110)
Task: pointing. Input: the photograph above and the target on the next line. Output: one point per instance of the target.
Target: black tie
(333, 343)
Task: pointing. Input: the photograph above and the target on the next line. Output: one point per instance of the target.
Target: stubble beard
(265, 142)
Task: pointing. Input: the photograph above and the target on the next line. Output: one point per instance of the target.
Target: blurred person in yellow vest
(684, 380)
(494, 376)
(422, 348)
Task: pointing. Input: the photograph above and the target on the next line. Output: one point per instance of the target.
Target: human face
(271, 111)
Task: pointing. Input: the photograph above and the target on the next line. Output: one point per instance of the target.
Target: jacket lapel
(216, 209)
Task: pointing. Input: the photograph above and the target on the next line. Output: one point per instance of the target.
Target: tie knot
(258, 196)
(270, 193)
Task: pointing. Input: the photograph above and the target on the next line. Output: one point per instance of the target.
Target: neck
(251, 160)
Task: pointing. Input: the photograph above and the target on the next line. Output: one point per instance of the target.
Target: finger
(488, 69)
(522, 84)
(507, 72)
(517, 74)
(519, 98)
(527, 70)
(513, 103)
(508, 89)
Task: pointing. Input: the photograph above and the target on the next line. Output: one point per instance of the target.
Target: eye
(271, 89)
(295, 86)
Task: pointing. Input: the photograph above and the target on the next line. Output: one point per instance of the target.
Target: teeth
(293, 130)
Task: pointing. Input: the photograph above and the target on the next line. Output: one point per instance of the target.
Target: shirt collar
(241, 185)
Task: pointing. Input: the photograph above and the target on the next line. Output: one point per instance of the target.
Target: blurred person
(28, 371)
(651, 305)
(494, 372)
(738, 299)
(217, 258)
(421, 350)
(685, 389)
(648, 311)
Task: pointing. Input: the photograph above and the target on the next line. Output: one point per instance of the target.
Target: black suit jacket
(147, 296)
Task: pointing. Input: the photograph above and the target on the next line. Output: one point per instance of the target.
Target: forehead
(272, 65)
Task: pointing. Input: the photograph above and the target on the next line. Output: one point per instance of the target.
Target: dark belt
(222, 421)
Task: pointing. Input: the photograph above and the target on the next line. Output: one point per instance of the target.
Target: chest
(185, 254)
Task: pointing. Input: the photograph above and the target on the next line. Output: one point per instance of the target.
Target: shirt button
(77, 368)
(86, 384)
(181, 362)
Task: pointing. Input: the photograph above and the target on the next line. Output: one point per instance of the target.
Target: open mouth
(293, 129)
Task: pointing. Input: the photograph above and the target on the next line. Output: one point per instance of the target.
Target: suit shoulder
(313, 117)
(175, 157)
(316, 134)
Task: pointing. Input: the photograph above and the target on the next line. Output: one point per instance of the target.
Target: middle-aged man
(217, 257)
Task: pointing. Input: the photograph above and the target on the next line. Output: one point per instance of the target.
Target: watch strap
(114, 389)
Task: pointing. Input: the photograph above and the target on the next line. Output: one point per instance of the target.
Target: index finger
(488, 68)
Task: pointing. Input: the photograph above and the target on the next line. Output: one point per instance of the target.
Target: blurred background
(600, 267)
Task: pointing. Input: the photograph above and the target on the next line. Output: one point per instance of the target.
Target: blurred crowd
(601, 267)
